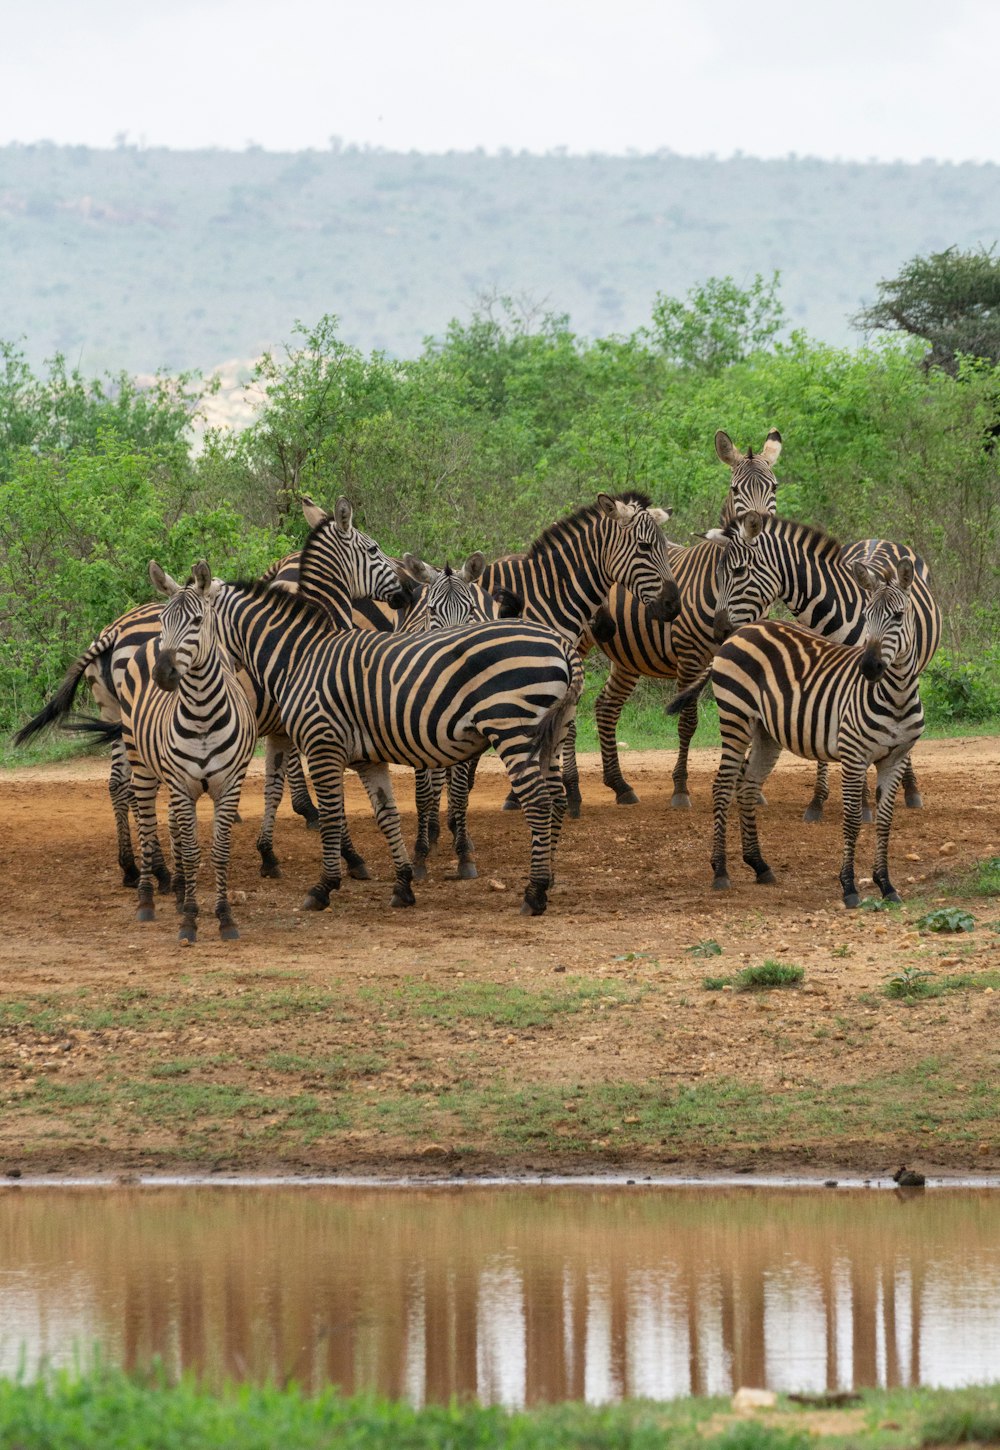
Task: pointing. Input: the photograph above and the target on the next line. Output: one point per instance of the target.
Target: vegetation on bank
(479, 442)
(107, 1409)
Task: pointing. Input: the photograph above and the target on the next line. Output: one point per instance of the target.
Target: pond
(514, 1295)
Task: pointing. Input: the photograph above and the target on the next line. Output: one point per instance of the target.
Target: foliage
(707, 948)
(752, 979)
(717, 324)
(946, 918)
(967, 691)
(909, 982)
(951, 299)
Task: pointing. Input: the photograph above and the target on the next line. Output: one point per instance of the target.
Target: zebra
(781, 686)
(563, 578)
(340, 562)
(433, 698)
(775, 559)
(638, 644)
(187, 724)
(449, 600)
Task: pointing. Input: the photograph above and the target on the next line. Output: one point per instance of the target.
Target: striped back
(753, 486)
(569, 570)
(809, 572)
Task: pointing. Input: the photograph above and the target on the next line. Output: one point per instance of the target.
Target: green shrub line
(110, 1410)
(755, 979)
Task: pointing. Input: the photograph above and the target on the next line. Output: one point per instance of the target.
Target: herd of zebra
(342, 656)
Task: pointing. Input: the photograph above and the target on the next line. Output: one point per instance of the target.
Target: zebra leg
(144, 789)
(867, 815)
(120, 791)
(427, 789)
(375, 779)
(277, 762)
(222, 827)
(734, 747)
(889, 773)
(687, 724)
(458, 810)
(175, 848)
(570, 777)
(558, 807)
(302, 802)
(852, 787)
(187, 835)
(764, 753)
(533, 797)
(821, 792)
(608, 708)
(328, 778)
(911, 791)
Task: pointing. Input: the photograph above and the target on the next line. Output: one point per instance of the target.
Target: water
(515, 1296)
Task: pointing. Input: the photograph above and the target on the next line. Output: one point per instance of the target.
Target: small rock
(947, 848)
(949, 961)
(238, 896)
(16, 1172)
(495, 884)
(433, 1150)
(559, 967)
(912, 856)
(829, 1182)
(982, 1148)
(746, 1398)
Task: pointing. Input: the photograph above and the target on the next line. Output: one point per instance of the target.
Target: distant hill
(142, 259)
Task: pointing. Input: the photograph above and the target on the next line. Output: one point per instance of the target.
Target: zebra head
(634, 550)
(452, 599)
(753, 487)
(888, 615)
(341, 563)
(187, 623)
(747, 579)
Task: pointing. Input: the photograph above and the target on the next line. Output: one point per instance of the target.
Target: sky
(856, 79)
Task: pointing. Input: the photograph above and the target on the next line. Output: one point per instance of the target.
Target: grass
(106, 1409)
(754, 979)
(915, 984)
(496, 1005)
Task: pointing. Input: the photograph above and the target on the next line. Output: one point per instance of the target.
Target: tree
(717, 324)
(951, 299)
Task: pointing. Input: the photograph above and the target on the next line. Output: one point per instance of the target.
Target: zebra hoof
(419, 871)
(467, 871)
(767, 878)
(316, 899)
(529, 908)
(851, 900)
(680, 801)
(627, 797)
(893, 896)
(721, 883)
(270, 868)
(237, 819)
(511, 803)
(130, 875)
(761, 798)
(914, 801)
(230, 932)
(145, 913)
(812, 814)
(403, 895)
(573, 810)
(358, 871)
(866, 815)
(188, 932)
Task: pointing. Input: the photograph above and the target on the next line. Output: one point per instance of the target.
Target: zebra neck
(334, 598)
(815, 585)
(267, 633)
(202, 695)
(899, 684)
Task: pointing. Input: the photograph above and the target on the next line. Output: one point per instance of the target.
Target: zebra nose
(871, 664)
(166, 673)
(667, 604)
(723, 626)
(400, 599)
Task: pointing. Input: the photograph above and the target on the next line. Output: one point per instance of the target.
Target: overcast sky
(855, 79)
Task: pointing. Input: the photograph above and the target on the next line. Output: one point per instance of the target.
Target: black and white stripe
(780, 686)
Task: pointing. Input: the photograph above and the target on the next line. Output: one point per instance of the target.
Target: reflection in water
(515, 1296)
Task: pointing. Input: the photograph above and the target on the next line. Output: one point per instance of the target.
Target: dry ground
(370, 1038)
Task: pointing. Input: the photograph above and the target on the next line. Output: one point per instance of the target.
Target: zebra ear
(904, 573)
(343, 514)
(606, 504)
(864, 576)
(714, 536)
(660, 516)
(474, 566)
(312, 512)
(771, 448)
(423, 573)
(202, 576)
(751, 526)
(161, 580)
(727, 450)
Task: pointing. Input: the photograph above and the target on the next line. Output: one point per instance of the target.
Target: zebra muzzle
(667, 604)
(165, 672)
(722, 628)
(871, 664)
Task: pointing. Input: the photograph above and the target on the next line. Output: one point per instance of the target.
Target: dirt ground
(633, 897)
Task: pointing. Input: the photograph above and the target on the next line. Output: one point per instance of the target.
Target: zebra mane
(825, 544)
(296, 605)
(309, 547)
(565, 527)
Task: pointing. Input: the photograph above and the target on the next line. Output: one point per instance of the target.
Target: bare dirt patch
(394, 1025)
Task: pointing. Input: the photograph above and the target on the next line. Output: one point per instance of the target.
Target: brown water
(515, 1296)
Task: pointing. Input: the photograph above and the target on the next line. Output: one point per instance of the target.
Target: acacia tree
(951, 299)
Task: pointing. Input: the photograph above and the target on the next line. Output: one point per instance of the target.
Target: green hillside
(146, 259)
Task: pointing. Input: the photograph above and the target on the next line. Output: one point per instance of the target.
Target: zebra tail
(692, 692)
(548, 733)
(108, 730)
(59, 706)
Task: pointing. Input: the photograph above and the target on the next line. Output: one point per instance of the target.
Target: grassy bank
(108, 1410)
